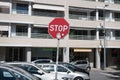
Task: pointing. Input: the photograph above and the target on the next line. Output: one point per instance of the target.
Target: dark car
(8, 72)
(84, 64)
(73, 68)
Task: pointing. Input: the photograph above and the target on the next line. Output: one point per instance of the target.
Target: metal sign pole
(57, 56)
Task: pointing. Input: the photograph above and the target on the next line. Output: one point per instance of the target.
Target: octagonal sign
(58, 26)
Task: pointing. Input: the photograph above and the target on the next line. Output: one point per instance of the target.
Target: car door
(62, 70)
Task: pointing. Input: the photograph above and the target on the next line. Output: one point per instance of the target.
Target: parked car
(75, 75)
(42, 61)
(8, 72)
(73, 67)
(84, 64)
(39, 72)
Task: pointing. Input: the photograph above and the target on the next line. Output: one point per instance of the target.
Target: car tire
(78, 78)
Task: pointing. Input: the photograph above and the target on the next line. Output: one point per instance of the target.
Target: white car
(75, 75)
(44, 75)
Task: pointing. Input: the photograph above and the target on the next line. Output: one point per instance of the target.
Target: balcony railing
(90, 0)
(40, 35)
(81, 17)
(101, 18)
(21, 34)
(82, 37)
(117, 19)
(21, 11)
(117, 38)
(116, 1)
(48, 14)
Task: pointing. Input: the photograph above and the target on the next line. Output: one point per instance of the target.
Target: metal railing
(117, 38)
(41, 35)
(22, 11)
(117, 19)
(117, 1)
(73, 37)
(21, 34)
(81, 17)
(48, 14)
(82, 37)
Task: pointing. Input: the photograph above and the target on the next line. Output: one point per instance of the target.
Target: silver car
(75, 75)
(37, 71)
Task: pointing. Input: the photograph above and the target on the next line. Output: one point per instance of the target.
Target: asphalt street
(96, 74)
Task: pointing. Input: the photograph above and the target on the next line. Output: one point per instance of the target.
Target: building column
(9, 30)
(28, 55)
(66, 10)
(10, 9)
(97, 15)
(97, 34)
(29, 30)
(111, 35)
(111, 14)
(97, 58)
(30, 9)
(96, 0)
(66, 54)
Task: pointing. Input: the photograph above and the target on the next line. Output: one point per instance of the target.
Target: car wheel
(78, 78)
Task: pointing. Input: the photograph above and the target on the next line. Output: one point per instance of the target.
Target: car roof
(28, 63)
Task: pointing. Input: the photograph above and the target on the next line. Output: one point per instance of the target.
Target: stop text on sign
(59, 28)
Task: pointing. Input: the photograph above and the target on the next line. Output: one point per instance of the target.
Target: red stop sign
(58, 26)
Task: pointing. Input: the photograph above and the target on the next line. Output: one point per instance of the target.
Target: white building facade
(24, 30)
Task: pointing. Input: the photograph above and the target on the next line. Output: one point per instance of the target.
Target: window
(22, 8)
(48, 13)
(39, 32)
(3, 33)
(48, 67)
(20, 77)
(6, 75)
(21, 30)
(61, 69)
(117, 34)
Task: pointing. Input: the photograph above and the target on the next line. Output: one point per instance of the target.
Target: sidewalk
(110, 72)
